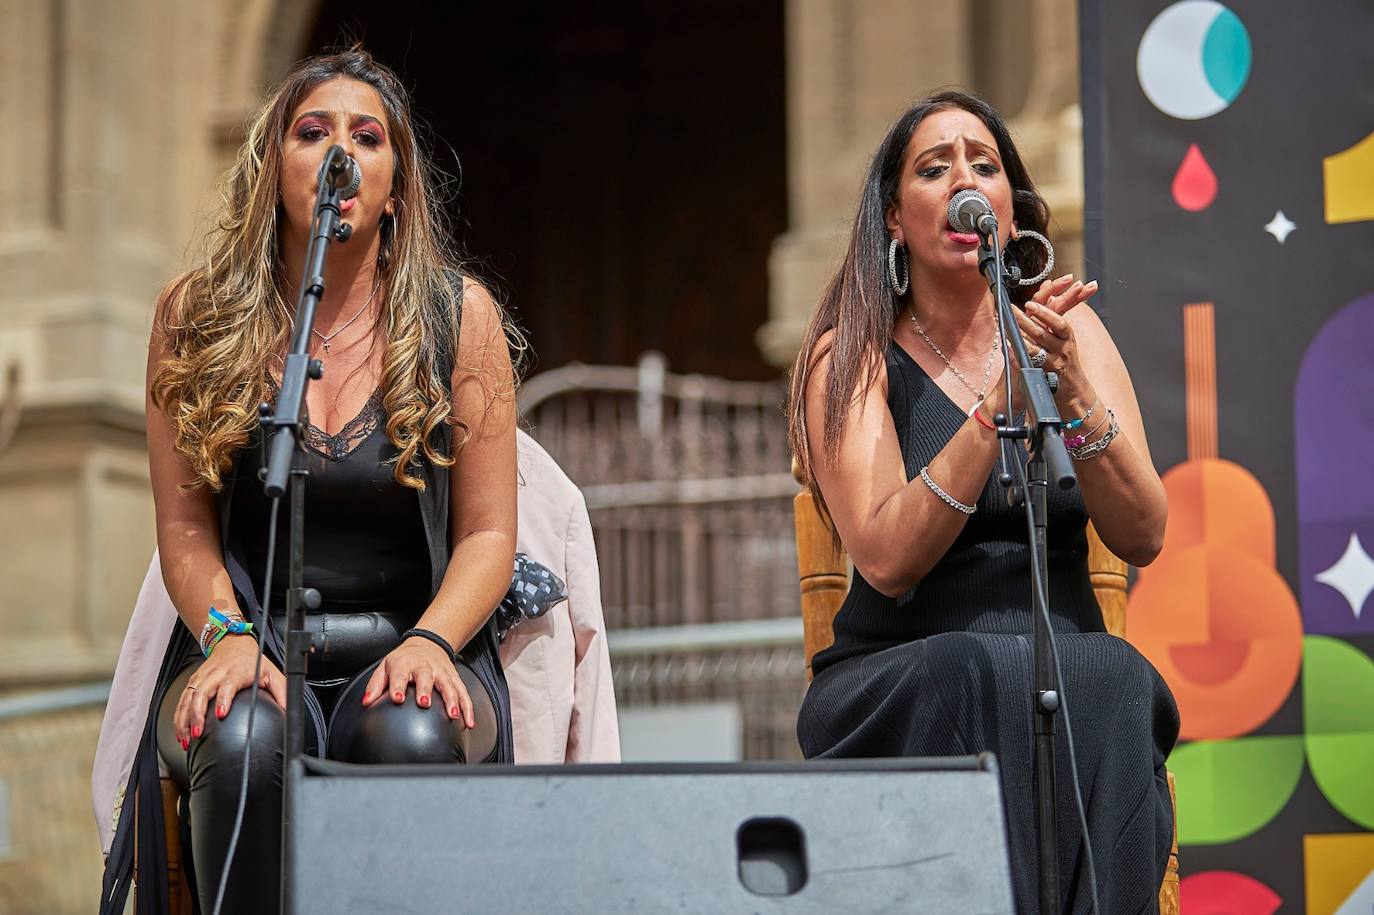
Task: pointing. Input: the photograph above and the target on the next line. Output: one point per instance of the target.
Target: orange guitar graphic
(1212, 613)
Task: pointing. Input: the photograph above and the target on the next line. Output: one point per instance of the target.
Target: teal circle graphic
(1226, 55)
(1194, 59)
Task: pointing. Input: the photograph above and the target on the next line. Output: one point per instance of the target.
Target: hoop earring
(388, 239)
(1049, 257)
(899, 288)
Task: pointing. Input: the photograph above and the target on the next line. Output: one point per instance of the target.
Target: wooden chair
(178, 887)
(824, 572)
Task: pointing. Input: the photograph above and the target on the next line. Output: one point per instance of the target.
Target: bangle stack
(218, 626)
(944, 496)
(1081, 449)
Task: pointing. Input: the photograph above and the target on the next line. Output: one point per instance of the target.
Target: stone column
(853, 66)
(1048, 126)
(106, 171)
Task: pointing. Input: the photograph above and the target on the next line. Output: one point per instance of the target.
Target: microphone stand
(1048, 459)
(286, 469)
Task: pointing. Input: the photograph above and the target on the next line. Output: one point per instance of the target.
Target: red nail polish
(185, 744)
(453, 712)
(424, 702)
(195, 731)
(221, 712)
(366, 696)
(400, 696)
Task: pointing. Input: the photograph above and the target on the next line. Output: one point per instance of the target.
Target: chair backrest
(823, 569)
(824, 572)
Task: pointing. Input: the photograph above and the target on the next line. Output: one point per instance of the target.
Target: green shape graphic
(1228, 789)
(1226, 55)
(1338, 707)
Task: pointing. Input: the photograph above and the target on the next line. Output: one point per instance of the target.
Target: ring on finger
(190, 686)
(1038, 358)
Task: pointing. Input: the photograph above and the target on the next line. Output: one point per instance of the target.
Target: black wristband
(434, 637)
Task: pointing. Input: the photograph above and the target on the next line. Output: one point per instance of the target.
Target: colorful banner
(1230, 219)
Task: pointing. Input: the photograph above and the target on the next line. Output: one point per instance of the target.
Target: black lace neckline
(340, 445)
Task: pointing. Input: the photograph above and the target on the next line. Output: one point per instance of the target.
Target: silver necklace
(980, 394)
(325, 340)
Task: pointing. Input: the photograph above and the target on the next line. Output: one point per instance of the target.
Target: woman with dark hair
(410, 507)
(891, 409)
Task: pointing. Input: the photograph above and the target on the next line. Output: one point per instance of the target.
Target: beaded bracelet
(1078, 441)
(218, 626)
(944, 496)
(1075, 423)
(1087, 452)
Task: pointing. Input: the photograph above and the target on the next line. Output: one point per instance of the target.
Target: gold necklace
(325, 340)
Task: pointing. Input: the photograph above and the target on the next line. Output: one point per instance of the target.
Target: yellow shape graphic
(1337, 867)
(1348, 181)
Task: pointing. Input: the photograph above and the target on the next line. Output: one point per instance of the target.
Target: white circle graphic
(1172, 60)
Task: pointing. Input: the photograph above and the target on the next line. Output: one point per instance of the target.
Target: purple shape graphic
(1334, 426)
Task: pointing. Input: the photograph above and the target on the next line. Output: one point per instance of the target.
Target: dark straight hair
(858, 303)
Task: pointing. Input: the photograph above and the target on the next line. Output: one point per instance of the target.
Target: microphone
(970, 211)
(342, 172)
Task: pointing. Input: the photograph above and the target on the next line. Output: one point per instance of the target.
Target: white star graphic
(1362, 900)
(1352, 575)
(1280, 227)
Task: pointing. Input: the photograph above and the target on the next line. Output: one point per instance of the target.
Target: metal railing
(686, 479)
(688, 486)
(756, 664)
(49, 854)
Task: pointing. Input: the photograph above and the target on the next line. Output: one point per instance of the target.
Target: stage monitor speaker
(897, 835)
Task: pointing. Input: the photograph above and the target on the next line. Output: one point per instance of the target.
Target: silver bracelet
(944, 496)
(1093, 449)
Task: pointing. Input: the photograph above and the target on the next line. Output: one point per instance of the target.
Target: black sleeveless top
(982, 583)
(364, 537)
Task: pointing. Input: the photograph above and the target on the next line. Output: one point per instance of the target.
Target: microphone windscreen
(965, 207)
(351, 189)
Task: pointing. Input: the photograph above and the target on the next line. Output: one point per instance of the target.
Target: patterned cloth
(534, 590)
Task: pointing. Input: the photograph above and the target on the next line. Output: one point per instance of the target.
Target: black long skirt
(961, 693)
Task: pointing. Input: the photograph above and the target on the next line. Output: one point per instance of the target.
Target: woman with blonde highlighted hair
(410, 505)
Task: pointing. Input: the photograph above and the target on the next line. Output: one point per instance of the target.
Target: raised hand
(1063, 293)
(1050, 340)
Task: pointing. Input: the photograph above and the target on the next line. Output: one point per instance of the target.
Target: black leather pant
(349, 646)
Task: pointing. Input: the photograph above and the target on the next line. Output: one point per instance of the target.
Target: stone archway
(257, 43)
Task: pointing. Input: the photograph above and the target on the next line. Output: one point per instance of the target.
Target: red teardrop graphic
(1195, 184)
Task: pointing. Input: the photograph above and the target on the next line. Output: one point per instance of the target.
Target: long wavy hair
(228, 317)
(859, 304)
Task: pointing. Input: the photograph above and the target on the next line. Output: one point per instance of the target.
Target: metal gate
(687, 483)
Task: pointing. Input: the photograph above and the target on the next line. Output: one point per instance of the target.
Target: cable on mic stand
(339, 179)
(1048, 457)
